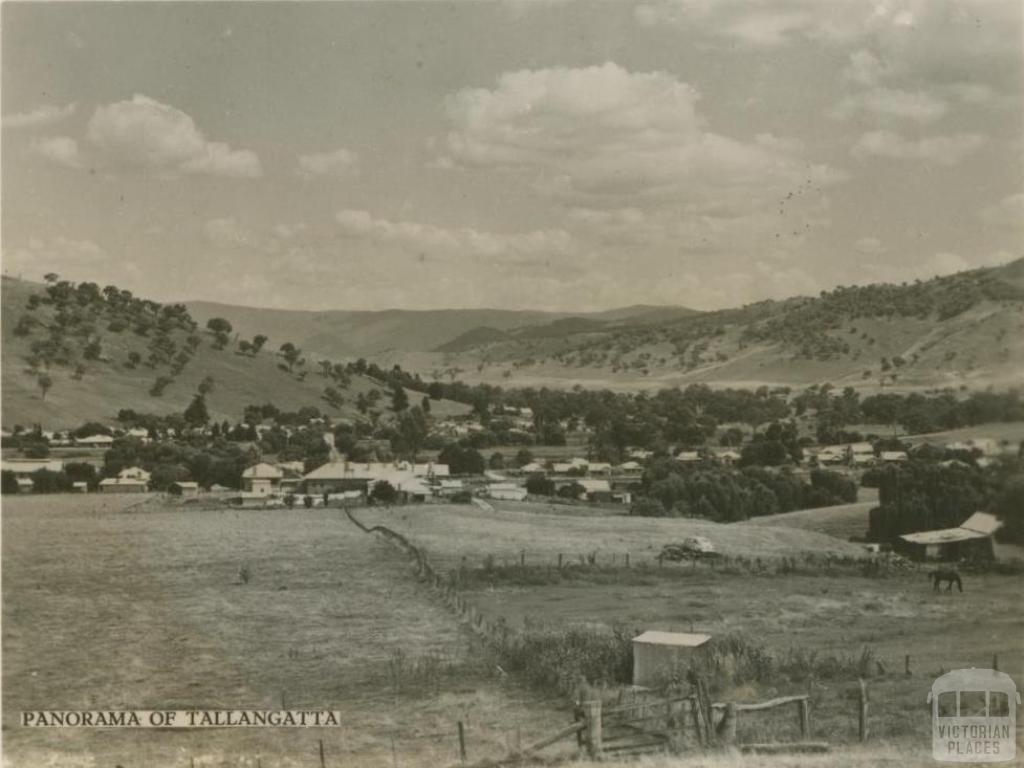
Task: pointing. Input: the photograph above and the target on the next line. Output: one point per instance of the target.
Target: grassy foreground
(108, 605)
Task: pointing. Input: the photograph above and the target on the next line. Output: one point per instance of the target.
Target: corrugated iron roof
(977, 526)
(682, 639)
(982, 522)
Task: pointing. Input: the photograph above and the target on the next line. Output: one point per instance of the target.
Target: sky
(527, 154)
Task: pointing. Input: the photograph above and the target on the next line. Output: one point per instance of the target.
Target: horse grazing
(946, 575)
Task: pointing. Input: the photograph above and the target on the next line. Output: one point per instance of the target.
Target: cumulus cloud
(144, 134)
(783, 21)
(71, 258)
(229, 233)
(865, 68)
(935, 265)
(419, 237)
(870, 245)
(972, 93)
(47, 114)
(919, 106)
(336, 163)
(62, 150)
(945, 150)
(1009, 211)
(605, 136)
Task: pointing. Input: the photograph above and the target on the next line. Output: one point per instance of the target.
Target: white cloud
(870, 245)
(783, 21)
(768, 29)
(919, 106)
(70, 258)
(865, 68)
(936, 265)
(945, 150)
(604, 136)
(46, 114)
(972, 93)
(441, 241)
(1008, 211)
(336, 163)
(62, 150)
(144, 134)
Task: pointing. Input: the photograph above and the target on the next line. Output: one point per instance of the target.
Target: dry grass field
(111, 605)
(128, 602)
(842, 614)
(451, 532)
(841, 521)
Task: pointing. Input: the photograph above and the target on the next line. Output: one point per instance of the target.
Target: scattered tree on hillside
(291, 354)
(399, 399)
(44, 382)
(333, 397)
(161, 383)
(197, 414)
(221, 330)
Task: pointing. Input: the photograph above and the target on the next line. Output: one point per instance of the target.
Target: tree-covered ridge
(804, 324)
(813, 328)
(70, 324)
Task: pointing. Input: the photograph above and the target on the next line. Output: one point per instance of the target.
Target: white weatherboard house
(658, 656)
(262, 479)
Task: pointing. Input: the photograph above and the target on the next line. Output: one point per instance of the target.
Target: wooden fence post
(804, 706)
(699, 726)
(462, 742)
(862, 719)
(995, 661)
(592, 714)
(579, 715)
(906, 665)
(726, 730)
(559, 559)
(323, 764)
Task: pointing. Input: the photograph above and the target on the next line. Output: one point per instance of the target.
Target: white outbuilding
(658, 656)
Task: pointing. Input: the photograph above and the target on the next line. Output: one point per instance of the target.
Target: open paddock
(121, 602)
(831, 624)
(831, 619)
(450, 532)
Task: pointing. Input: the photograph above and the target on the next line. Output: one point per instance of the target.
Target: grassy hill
(371, 334)
(110, 381)
(105, 350)
(963, 329)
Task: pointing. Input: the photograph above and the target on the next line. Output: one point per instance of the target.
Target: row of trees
(717, 493)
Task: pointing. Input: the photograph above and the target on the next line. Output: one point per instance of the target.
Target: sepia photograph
(500, 383)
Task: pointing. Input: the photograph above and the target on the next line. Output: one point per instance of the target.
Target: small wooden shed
(660, 655)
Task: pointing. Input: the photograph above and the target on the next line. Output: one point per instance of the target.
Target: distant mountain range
(341, 333)
(949, 331)
(961, 330)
